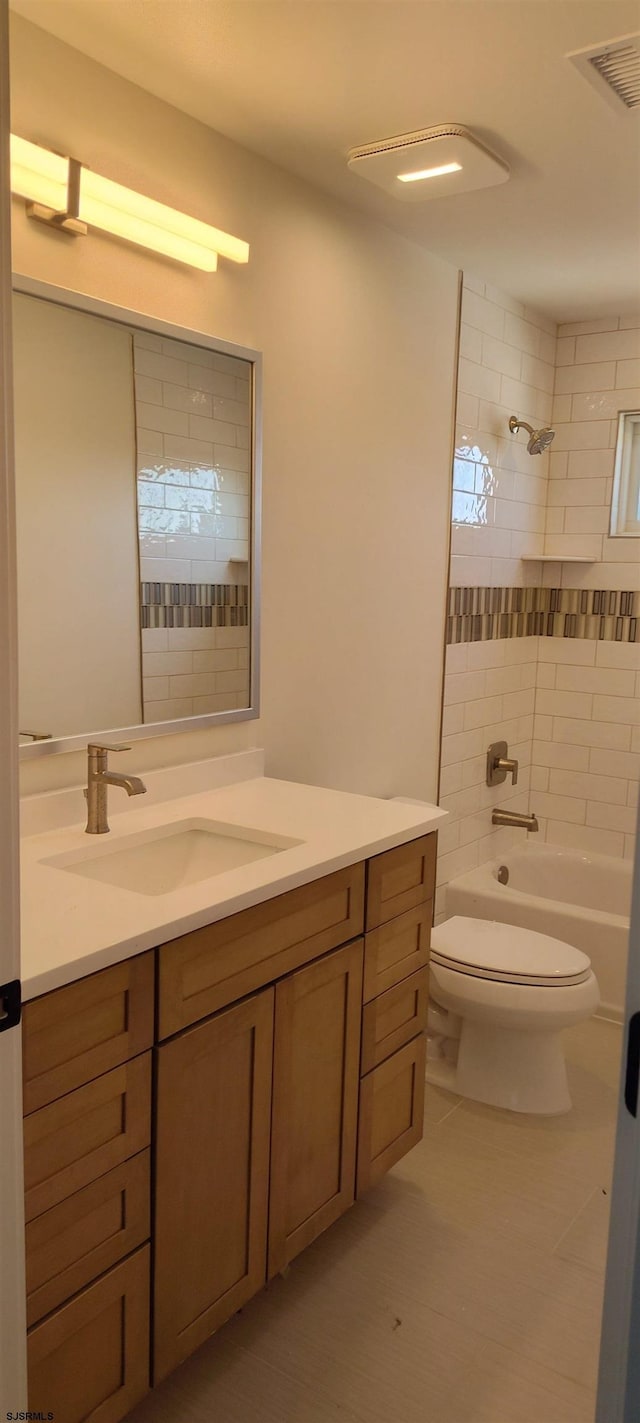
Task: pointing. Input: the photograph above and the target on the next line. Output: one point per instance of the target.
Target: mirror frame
(79, 301)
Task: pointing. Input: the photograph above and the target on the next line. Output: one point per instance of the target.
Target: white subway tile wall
(184, 688)
(193, 415)
(597, 376)
(489, 696)
(569, 709)
(498, 517)
(586, 761)
(506, 368)
(586, 751)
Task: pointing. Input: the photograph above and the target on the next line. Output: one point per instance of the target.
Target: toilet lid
(505, 952)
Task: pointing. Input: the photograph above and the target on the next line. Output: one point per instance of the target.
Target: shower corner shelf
(557, 558)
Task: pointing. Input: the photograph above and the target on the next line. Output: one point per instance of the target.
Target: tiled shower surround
(506, 367)
(543, 655)
(597, 375)
(193, 413)
(478, 614)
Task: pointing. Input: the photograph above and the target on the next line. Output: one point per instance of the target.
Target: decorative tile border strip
(194, 605)
(484, 614)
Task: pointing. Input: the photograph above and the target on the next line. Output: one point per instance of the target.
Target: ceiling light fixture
(453, 158)
(62, 193)
(430, 173)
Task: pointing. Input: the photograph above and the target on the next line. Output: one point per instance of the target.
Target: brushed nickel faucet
(515, 818)
(499, 765)
(99, 777)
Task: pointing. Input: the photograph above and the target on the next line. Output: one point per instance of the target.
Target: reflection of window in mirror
(193, 436)
(625, 504)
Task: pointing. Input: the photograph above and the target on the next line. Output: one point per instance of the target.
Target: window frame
(626, 478)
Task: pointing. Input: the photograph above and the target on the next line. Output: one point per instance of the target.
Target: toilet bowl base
(441, 1074)
(503, 1067)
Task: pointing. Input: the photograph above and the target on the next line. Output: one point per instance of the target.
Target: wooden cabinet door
(401, 879)
(315, 1100)
(391, 1112)
(393, 1019)
(85, 1234)
(212, 1175)
(202, 972)
(89, 1361)
(76, 1139)
(396, 950)
(80, 1031)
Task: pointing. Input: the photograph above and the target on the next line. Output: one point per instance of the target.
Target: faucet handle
(511, 767)
(499, 765)
(108, 746)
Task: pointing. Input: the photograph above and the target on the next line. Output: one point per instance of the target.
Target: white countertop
(72, 926)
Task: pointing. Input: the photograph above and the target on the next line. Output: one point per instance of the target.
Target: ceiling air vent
(613, 69)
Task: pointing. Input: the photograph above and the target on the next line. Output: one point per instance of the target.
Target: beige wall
(357, 327)
(78, 621)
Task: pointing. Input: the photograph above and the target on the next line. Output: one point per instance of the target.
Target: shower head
(539, 440)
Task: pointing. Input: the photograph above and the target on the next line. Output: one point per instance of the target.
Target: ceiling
(302, 81)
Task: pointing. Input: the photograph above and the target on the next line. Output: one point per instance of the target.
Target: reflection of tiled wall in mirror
(193, 426)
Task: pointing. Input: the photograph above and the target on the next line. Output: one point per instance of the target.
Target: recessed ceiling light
(449, 155)
(430, 173)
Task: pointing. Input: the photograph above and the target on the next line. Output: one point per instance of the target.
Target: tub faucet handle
(500, 765)
(504, 763)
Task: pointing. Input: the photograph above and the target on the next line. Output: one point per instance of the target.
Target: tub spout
(515, 818)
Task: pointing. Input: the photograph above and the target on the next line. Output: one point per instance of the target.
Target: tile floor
(466, 1288)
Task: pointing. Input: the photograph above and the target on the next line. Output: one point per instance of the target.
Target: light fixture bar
(104, 197)
(146, 234)
(430, 173)
(38, 175)
(63, 194)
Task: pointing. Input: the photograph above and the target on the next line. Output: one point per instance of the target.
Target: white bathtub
(583, 899)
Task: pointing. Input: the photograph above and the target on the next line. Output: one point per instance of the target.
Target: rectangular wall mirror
(137, 451)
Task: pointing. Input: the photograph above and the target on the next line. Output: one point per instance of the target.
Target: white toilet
(499, 998)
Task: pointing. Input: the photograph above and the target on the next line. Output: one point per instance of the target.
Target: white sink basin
(171, 856)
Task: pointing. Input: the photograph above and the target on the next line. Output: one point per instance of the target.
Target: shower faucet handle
(500, 765)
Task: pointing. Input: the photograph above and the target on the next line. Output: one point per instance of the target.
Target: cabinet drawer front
(393, 1019)
(391, 1110)
(397, 950)
(85, 1235)
(202, 972)
(400, 879)
(89, 1362)
(78, 1032)
(212, 1175)
(84, 1134)
(315, 1101)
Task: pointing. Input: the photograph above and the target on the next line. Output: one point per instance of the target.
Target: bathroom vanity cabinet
(287, 1076)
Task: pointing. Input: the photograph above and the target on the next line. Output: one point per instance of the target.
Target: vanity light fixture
(62, 193)
(38, 175)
